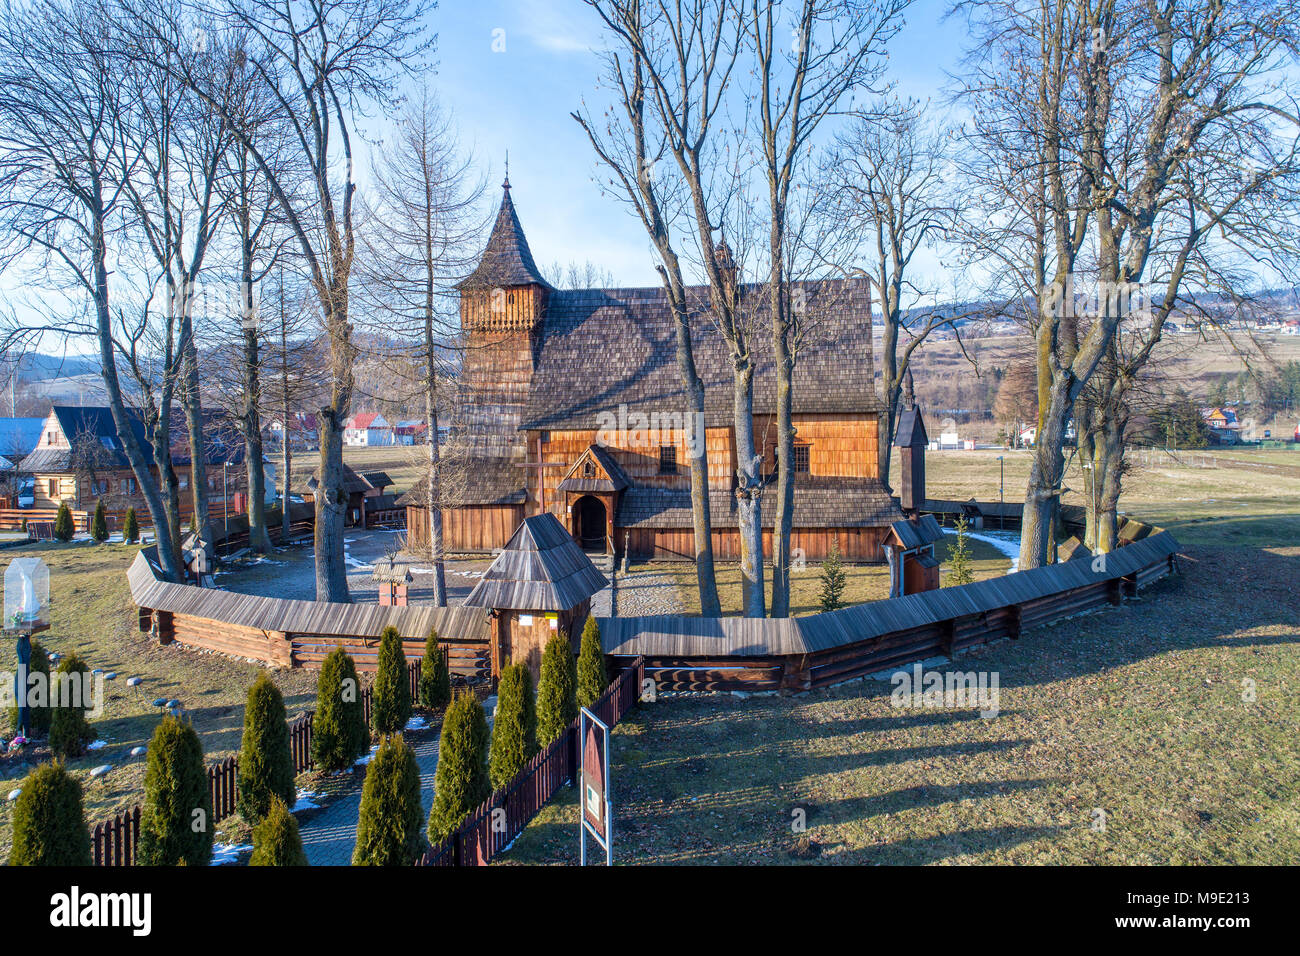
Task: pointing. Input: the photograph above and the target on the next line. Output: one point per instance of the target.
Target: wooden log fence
(500, 819)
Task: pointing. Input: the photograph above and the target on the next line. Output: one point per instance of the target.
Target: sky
(518, 99)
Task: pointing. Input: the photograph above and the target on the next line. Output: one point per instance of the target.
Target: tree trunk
(331, 510)
(435, 468)
(286, 443)
(749, 495)
(193, 405)
(785, 478)
(697, 449)
(331, 500)
(1043, 491)
(169, 557)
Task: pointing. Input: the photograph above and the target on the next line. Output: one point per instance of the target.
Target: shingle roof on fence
(762, 637)
(297, 617)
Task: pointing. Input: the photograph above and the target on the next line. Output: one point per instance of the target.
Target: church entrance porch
(590, 523)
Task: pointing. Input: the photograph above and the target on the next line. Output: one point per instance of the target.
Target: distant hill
(41, 368)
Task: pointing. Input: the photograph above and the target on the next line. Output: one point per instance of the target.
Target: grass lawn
(1163, 732)
(405, 464)
(92, 613)
(865, 582)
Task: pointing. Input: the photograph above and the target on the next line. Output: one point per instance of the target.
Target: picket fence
(500, 819)
(115, 842)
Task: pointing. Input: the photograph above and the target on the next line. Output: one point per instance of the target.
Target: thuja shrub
(592, 679)
(461, 782)
(388, 826)
(265, 759)
(99, 524)
(131, 527)
(390, 699)
(338, 731)
(49, 824)
(64, 529)
(435, 675)
(514, 726)
(557, 700)
(276, 841)
(176, 819)
(70, 698)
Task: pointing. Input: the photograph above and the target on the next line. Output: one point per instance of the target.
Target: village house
(367, 429)
(571, 403)
(80, 459)
(301, 431)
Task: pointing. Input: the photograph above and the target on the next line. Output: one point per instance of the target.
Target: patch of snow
(224, 853)
(97, 745)
(306, 801)
(417, 723)
(1006, 542)
(362, 761)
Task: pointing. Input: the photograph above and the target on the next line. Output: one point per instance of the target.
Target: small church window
(589, 469)
(667, 459)
(801, 459)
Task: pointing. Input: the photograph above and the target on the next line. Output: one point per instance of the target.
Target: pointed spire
(506, 185)
(507, 260)
(909, 393)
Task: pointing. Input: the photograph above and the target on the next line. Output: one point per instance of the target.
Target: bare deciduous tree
(423, 230)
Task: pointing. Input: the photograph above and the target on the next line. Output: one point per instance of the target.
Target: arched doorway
(589, 523)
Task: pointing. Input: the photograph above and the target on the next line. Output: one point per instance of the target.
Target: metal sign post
(596, 809)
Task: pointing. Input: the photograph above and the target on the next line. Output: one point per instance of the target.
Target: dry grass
(403, 463)
(92, 614)
(864, 582)
(1141, 714)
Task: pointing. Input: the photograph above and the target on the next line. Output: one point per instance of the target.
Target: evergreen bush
(959, 567)
(592, 679)
(49, 825)
(514, 726)
(276, 841)
(461, 782)
(557, 690)
(131, 527)
(265, 760)
(64, 529)
(70, 732)
(388, 827)
(833, 579)
(99, 524)
(390, 700)
(176, 823)
(435, 675)
(338, 731)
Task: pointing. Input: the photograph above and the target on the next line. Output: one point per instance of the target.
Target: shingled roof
(819, 502)
(604, 347)
(483, 481)
(540, 569)
(507, 260)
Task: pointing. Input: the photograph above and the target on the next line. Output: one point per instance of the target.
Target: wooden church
(571, 403)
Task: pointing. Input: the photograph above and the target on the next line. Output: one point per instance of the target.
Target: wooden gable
(594, 470)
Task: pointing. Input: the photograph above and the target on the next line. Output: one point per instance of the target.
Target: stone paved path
(331, 836)
(641, 591)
